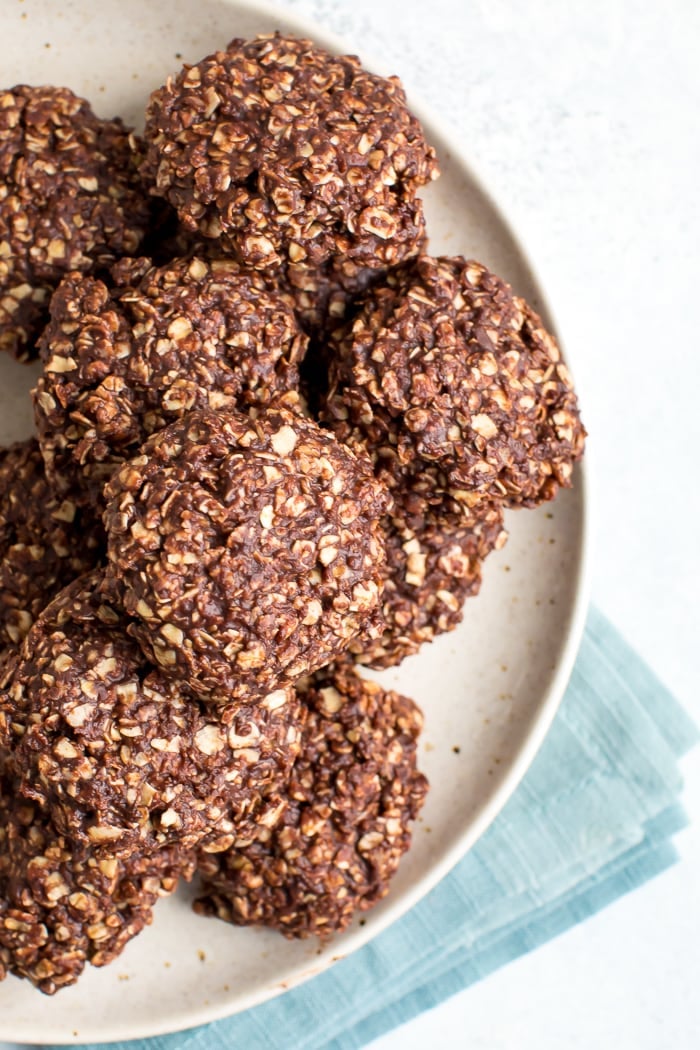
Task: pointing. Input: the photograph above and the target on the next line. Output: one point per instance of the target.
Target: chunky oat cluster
(109, 776)
(70, 199)
(248, 551)
(443, 368)
(59, 910)
(123, 360)
(353, 793)
(125, 759)
(45, 541)
(288, 154)
(277, 444)
(433, 566)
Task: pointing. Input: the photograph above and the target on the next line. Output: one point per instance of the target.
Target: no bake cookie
(247, 550)
(71, 198)
(126, 357)
(443, 369)
(353, 794)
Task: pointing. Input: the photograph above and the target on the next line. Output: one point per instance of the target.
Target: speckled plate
(489, 690)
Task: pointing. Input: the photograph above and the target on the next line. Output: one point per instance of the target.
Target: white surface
(501, 674)
(584, 123)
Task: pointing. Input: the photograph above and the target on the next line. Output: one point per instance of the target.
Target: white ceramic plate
(489, 690)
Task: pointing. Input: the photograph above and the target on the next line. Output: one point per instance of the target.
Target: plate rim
(444, 135)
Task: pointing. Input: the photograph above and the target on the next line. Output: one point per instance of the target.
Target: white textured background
(583, 119)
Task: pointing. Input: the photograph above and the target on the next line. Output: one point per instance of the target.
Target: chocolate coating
(121, 361)
(59, 912)
(291, 155)
(433, 565)
(70, 199)
(444, 371)
(353, 793)
(123, 758)
(45, 541)
(248, 551)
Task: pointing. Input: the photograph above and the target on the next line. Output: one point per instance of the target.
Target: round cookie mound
(45, 542)
(247, 550)
(353, 793)
(290, 155)
(70, 199)
(444, 366)
(123, 361)
(60, 911)
(433, 566)
(125, 759)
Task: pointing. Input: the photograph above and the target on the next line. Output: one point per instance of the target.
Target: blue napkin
(592, 820)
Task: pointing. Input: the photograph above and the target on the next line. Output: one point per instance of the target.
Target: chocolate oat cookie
(123, 360)
(433, 566)
(70, 199)
(58, 911)
(444, 370)
(353, 793)
(248, 551)
(125, 759)
(45, 541)
(291, 155)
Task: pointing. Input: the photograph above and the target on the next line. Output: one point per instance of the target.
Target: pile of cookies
(275, 439)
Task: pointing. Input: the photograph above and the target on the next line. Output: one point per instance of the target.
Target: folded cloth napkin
(591, 820)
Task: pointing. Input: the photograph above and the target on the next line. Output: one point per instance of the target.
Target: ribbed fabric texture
(592, 819)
